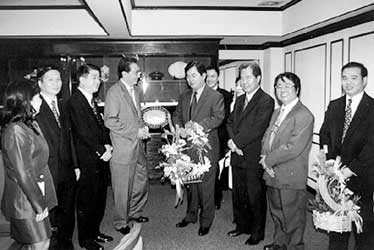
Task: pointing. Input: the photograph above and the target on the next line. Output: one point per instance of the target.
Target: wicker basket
(330, 222)
(190, 179)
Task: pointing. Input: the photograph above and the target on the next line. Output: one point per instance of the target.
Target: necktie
(246, 101)
(347, 118)
(275, 127)
(55, 113)
(96, 113)
(132, 93)
(193, 104)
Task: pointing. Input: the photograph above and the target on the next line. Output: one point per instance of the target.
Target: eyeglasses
(287, 86)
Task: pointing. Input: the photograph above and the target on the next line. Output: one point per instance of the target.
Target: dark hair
(199, 66)
(213, 67)
(44, 69)
(84, 70)
(124, 65)
(364, 70)
(292, 77)
(17, 103)
(256, 70)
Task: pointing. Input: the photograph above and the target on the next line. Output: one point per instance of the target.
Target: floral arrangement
(335, 206)
(178, 166)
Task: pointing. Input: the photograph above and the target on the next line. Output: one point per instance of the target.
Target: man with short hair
(93, 148)
(212, 74)
(122, 115)
(285, 151)
(348, 132)
(246, 126)
(204, 106)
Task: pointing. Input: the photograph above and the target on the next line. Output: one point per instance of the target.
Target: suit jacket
(357, 149)
(209, 113)
(60, 152)
(89, 135)
(222, 130)
(25, 156)
(247, 127)
(289, 152)
(123, 119)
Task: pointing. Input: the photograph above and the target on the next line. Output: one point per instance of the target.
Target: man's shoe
(274, 247)
(124, 230)
(182, 223)
(102, 238)
(253, 241)
(91, 245)
(203, 231)
(140, 219)
(234, 233)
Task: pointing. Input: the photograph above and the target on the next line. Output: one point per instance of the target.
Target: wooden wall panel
(310, 66)
(361, 49)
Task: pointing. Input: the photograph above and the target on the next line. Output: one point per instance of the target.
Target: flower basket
(191, 179)
(332, 222)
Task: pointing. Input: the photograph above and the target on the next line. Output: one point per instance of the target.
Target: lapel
(186, 104)
(128, 97)
(252, 103)
(87, 106)
(200, 103)
(50, 117)
(285, 123)
(361, 112)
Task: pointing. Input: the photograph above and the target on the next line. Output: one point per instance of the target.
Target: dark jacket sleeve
(17, 147)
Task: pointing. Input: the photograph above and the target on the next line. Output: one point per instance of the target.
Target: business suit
(288, 157)
(89, 136)
(356, 152)
(61, 166)
(128, 164)
(246, 128)
(25, 156)
(209, 113)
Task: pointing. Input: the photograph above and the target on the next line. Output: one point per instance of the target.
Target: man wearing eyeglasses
(285, 150)
(246, 126)
(348, 132)
(127, 132)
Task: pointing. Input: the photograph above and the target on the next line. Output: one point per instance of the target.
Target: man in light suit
(122, 115)
(212, 74)
(55, 126)
(208, 111)
(93, 148)
(348, 132)
(246, 127)
(285, 150)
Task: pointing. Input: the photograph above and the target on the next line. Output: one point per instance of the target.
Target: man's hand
(234, 148)
(107, 154)
(77, 173)
(143, 133)
(268, 170)
(42, 215)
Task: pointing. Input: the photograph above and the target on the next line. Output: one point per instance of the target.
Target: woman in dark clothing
(29, 192)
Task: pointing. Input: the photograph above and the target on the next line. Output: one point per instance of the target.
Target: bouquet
(335, 206)
(178, 165)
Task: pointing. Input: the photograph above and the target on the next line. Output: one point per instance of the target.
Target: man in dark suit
(246, 126)
(212, 73)
(348, 132)
(285, 151)
(207, 110)
(54, 124)
(93, 149)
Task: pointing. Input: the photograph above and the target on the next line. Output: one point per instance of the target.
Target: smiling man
(348, 131)
(285, 150)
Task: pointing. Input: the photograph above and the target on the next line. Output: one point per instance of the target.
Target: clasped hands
(42, 215)
(143, 133)
(269, 170)
(233, 148)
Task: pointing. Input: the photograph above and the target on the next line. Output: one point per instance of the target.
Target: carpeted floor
(160, 232)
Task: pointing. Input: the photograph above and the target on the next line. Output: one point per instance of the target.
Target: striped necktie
(275, 127)
(192, 104)
(96, 112)
(55, 113)
(347, 118)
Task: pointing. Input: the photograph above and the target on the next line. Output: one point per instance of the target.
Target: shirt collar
(199, 91)
(48, 99)
(287, 108)
(128, 87)
(250, 95)
(355, 99)
(87, 95)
